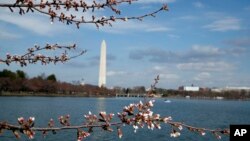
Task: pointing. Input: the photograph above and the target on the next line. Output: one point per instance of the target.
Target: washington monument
(102, 71)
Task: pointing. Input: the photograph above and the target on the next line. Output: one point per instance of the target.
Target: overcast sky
(200, 42)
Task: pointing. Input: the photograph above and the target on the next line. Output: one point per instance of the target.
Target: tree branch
(52, 9)
(32, 57)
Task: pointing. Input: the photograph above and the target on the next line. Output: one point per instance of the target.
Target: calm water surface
(202, 113)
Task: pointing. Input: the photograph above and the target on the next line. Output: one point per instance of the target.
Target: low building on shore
(189, 88)
(247, 89)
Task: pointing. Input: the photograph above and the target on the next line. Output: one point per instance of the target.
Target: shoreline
(206, 98)
(25, 94)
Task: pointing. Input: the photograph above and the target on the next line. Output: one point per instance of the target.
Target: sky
(201, 42)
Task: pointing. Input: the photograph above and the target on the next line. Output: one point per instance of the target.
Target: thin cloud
(196, 53)
(224, 24)
(173, 36)
(203, 76)
(154, 55)
(35, 23)
(110, 57)
(158, 29)
(198, 4)
(115, 73)
(132, 26)
(204, 51)
(8, 35)
(239, 42)
(206, 66)
(247, 8)
(188, 17)
(77, 64)
(169, 76)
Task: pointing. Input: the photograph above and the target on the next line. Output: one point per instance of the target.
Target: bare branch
(53, 10)
(33, 56)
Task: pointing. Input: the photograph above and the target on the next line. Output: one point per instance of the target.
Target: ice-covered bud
(90, 113)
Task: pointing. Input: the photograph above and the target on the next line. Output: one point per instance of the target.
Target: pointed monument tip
(103, 43)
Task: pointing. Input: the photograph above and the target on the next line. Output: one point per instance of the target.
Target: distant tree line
(133, 90)
(230, 94)
(19, 83)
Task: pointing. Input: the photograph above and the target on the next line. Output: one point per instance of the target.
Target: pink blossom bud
(119, 131)
(32, 119)
(20, 120)
(167, 119)
(175, 134)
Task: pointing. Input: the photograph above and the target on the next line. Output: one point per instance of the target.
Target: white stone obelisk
(102, 71)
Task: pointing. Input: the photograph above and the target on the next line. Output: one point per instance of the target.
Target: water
(201, 113)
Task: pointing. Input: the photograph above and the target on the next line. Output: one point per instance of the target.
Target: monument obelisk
(102, 71)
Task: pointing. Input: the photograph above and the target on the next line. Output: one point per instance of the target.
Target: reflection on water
(202, 113)
(101, 104)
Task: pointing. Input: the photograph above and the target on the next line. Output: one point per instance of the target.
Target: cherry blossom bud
(151, 103)
(135, 128)
(103, 115)
(203, 133)
(180, 127)
(20, 120)
(16, 134)
(167, 119)
(51, 123)
(157, 116)
(175, 134)
(218, 137)
(32, 119)
(119, 132)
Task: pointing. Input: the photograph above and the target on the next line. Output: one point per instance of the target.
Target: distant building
(231, 89)
(189, 88)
